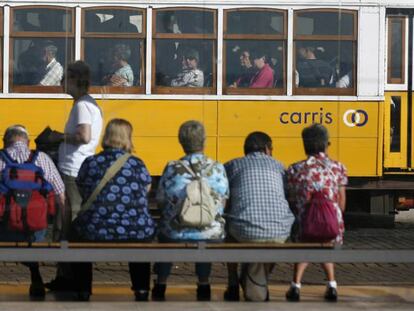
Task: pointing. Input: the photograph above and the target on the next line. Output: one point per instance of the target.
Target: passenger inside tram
(264, 75)
(190, 76)
(122, 74)
(247, 70)
(52, 71)
(312, 71)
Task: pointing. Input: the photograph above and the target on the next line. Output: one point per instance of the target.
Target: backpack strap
(188, 168)
(6, 157)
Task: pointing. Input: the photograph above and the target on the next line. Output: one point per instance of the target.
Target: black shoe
(141, 295)
(293, 294)
(60, 284)
(158, 292)
(232, 293)
(83, 296)
(203, 292)
(331, 294)
(37, 290)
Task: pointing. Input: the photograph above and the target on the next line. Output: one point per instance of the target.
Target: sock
(298, 285)
(332, 284)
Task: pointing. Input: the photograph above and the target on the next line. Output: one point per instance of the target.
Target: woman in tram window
(119, 212)
(318, 173)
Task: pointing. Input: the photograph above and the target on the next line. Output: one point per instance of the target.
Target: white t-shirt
(84, 111)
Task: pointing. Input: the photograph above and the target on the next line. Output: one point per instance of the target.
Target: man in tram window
(311, 71)
(190, 76)
(122, 72)
(53, 70)
(247, 71)
(264, 76)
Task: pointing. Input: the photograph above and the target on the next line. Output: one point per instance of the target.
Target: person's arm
(342, 198)
(82, 135)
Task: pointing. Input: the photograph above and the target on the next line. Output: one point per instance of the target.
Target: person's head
(169, 20)
(315, 139)
(191, 57)
(192, 136)
(245, 59)
(77, 80)
(258, 142)
(259, 59)
(49, 52)
(14, 134)
(307, 52)
(118, 134)
(121, 53)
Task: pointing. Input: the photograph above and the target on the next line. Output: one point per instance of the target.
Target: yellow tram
(344, 63)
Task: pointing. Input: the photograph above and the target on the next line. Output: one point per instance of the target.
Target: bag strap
(6, 157)
(109, 174)
(191, 170)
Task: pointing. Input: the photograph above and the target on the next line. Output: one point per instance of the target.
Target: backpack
(199, 208)
(26, 198)
(320, 221)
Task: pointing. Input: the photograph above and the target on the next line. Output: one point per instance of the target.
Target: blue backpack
(26, 198)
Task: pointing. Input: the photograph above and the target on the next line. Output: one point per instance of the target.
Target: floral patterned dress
(120, 211)
(316, 173)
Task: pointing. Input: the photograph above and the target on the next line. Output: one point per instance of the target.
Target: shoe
(232, 293)
(158, 292)
(37, 290)
(331, 294)
(60, 284)
(83, 296)
(293, 294)
(141, 295)
(203, 292)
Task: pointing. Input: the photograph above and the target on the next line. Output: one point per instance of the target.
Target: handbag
(109, 174)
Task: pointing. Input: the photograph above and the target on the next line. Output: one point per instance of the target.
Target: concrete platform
(183, 298)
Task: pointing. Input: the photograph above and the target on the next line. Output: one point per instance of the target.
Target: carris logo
(355, 117)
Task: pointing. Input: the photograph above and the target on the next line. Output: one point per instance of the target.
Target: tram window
(184, 64)
(114, 48)
(185, 21)
(1, 50)
(395, 124)
(324, 53)
(41, 44)
(396, 50)
(254, 50)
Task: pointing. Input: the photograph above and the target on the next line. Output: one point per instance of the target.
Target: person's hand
(116, 80)
(233, 85)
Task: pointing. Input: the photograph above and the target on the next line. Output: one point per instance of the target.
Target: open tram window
(325, 47)
(254, 51)
(41, 44)
(113, 44)
(396, 50)
(184, 44)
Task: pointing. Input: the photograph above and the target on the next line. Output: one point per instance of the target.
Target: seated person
(264, 76)
(345, 76)
(123, 74)
(120, 210)
(190, 76)
(16, 145)
(312, 72)
(247, 70)
(173, 190)
(53, 71)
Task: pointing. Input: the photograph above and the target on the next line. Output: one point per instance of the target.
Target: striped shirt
(258, 207)
(53, 75)
(20, 153)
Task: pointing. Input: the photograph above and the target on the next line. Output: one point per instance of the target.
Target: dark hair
(315, 139)
(81, 72)
(257, 142)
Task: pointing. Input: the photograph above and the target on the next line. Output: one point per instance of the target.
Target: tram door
(398, 109)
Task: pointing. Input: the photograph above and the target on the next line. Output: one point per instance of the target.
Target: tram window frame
(160, 89)
(1, 48)
(255, 37)
(116, 35)
(401, 79)
(38, 35)
(353, 38)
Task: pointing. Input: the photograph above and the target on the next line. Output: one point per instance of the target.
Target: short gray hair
(13, 133)
(192, 136)
(51, 49)
(315, 139)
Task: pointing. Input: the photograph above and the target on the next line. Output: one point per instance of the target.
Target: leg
(163, 270)
(331, 293)
(140, 274)
(203, 271)
(299, 270)
(293, 294)
(82, 274)
(37, 288)
(232, 292)
(329, 270)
